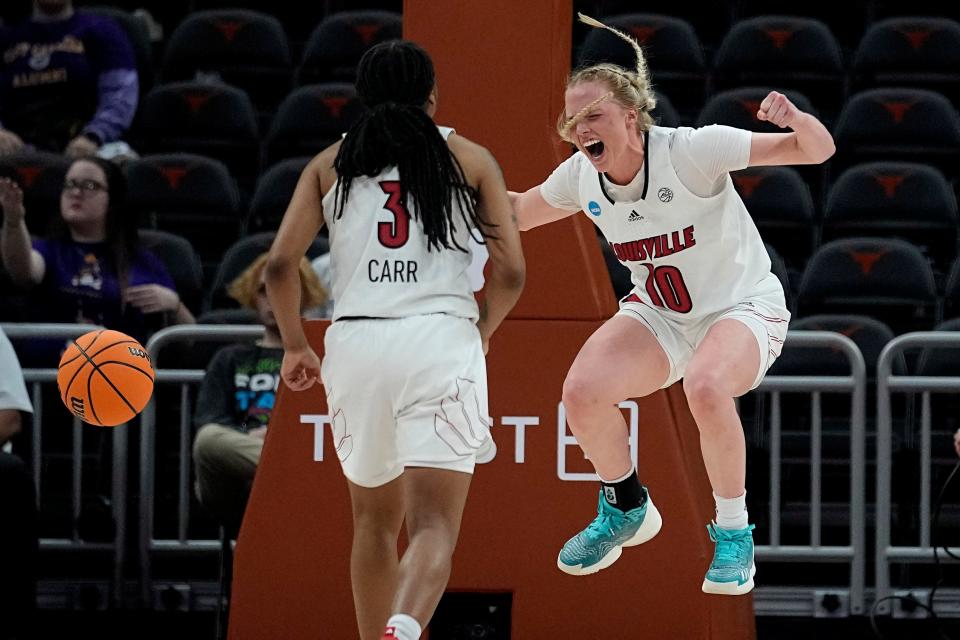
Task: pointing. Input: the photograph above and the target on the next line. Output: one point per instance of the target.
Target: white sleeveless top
(379, 259)
(689, 256)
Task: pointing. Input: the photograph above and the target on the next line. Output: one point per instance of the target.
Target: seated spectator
(91, 268)
(68, 82)
(236, 399)
(18, 504)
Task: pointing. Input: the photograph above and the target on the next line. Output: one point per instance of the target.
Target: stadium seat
(190, 195)
(229, 316)
(917, 51)
(895, 199)
(738, 108)
(888, 279)
(214, 120)
(847, 26)
(781, 206)
(779, 268)
(710, 20)
(898, 124)
(182, 262)
(245, 49)
(338, 42)
(272, 195)
(298, 18)
(951, 295)
(40, 175)
(310, 119)
(869, 334)
(664, 114)
(674, 55)
(784, 52)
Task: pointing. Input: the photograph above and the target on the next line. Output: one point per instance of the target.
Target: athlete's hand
(956, 441)
(777, 109)
(300, 369)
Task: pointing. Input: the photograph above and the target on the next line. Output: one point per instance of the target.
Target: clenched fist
(777, 109)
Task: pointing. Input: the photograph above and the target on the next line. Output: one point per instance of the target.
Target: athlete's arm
(809, 143)
(301, 222)
(533, 211)
(507, 268)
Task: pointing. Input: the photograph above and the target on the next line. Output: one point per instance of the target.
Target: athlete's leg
(622, 359)
(377, 518)
(724, 366)
(435, 500)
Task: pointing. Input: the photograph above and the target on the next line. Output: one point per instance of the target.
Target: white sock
(732, 512)
(403, 627)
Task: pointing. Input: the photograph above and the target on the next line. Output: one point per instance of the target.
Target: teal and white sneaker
(732, 570)
(600, 544)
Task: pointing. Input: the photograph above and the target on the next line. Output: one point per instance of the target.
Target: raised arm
(25, 265)
(808, 143)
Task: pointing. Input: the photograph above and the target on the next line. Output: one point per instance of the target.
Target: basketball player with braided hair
(403, 370)
(705, 307)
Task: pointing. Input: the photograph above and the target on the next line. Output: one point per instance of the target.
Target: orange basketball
(105, 378)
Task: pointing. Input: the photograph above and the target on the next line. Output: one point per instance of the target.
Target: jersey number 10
(394, 235)
(666, 288)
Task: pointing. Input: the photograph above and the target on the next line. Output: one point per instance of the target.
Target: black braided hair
(394, 81)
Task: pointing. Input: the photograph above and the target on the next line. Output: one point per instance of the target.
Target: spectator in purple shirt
(92, 269)
(68, 81)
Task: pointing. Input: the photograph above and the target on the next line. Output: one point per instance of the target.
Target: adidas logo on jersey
(634, 217)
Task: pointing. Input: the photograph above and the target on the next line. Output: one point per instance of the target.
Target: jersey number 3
(394, 235)
(666, 288)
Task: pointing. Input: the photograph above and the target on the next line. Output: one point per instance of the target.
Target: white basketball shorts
(405, 392)
(765, 315)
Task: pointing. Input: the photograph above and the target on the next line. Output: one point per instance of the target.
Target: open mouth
(594, 148)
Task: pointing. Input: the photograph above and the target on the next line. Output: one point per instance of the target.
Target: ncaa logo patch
(665, 194)
(594, 208)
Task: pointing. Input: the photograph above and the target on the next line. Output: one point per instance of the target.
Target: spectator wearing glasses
(68, 82)
(91, 268)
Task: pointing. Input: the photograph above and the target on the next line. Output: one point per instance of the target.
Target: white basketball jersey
(379, 259)
(689, 256)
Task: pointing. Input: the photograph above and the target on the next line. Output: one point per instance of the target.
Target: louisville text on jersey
(654, 247)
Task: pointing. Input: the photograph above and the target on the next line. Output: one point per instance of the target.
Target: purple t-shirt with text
(62, 78)
(80, 285)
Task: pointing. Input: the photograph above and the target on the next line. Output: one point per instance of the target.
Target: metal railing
(186, 378)
(35, 379)
(149, 545)
(887, 384)
(854, 384)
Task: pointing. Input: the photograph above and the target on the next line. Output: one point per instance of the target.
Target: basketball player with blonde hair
(705, 307)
